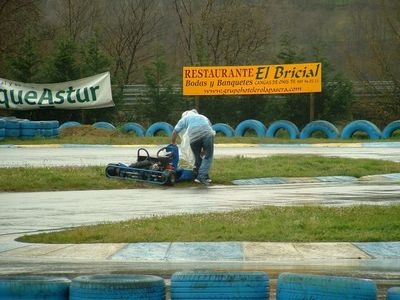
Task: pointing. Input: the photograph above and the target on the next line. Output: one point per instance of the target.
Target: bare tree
(377, 26)
(78, 18)
(222, 32)
(129, 34)
(16, 18)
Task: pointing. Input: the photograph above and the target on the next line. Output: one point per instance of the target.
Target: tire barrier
(326, 127)
(290, 127)
(134, 127)
(361, 125)
(34, 287)
(12, 128)
(104, 125)
(117, 287)
(159, 126)
(319, 287)
(393, 293)
(30, 129)
(69, 124)
(225, 129)
(255, 125)
(220, 285)
(390, 129)
(2, 129)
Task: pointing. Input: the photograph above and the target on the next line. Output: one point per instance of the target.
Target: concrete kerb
(267, 253)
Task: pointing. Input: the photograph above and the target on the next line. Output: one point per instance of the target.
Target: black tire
(361, 125)
(225, 129)
(255, 125)
(319, 287)
(220, 285)
(390, 128)
(34, 288)
(117, 287)
(290, 127)
(326, 127)
(134, 127)
(171, 177)
(159, 126)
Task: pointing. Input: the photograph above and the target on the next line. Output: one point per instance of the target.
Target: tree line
(148, 41)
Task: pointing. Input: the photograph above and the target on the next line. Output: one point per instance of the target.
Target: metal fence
(136, 94)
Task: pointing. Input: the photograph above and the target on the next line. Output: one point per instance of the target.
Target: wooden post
(312, 107)
(197, 103)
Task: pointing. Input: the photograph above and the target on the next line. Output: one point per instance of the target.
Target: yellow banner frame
(247, 80)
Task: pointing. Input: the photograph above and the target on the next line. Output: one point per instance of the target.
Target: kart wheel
(172, 178)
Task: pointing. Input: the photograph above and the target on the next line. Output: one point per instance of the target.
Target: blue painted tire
(12, 133)
(326, 127)
(255, 125)
(49, 124)
(134, 127)
(69, 124)
(29, 133)
(12, 124)
(319, 287)
(159, 126)
(117, 287)
(393, 293)
(2, 123)
(290, 127)
(30, 125)
(225, 129)
(34, 287)
(220, 285)
(104, 125)
(361, 125)
(2, 133)
(390, 128)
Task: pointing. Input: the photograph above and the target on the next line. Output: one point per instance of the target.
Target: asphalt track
(87, 155)
(35, 212)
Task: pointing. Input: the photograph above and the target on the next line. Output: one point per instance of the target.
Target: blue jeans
(203, 165)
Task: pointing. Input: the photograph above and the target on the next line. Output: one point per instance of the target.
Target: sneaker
(202, 181)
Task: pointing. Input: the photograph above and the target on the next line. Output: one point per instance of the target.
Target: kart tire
(34, 287)
(98, 287)
(290, 127)
(319, 287)
(219, 285)
(390, 129)
(361, 125)
(134, 127)
(171, 178)
(225, 129)
(326, 127)
(255, 125)
(160, 126)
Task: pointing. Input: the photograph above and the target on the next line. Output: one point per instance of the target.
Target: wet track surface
(33, 212)
(79, 155)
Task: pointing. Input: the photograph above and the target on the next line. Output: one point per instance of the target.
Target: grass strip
(266, 224)
(224, 171)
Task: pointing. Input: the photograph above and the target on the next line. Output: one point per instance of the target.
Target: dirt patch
(88, 130)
